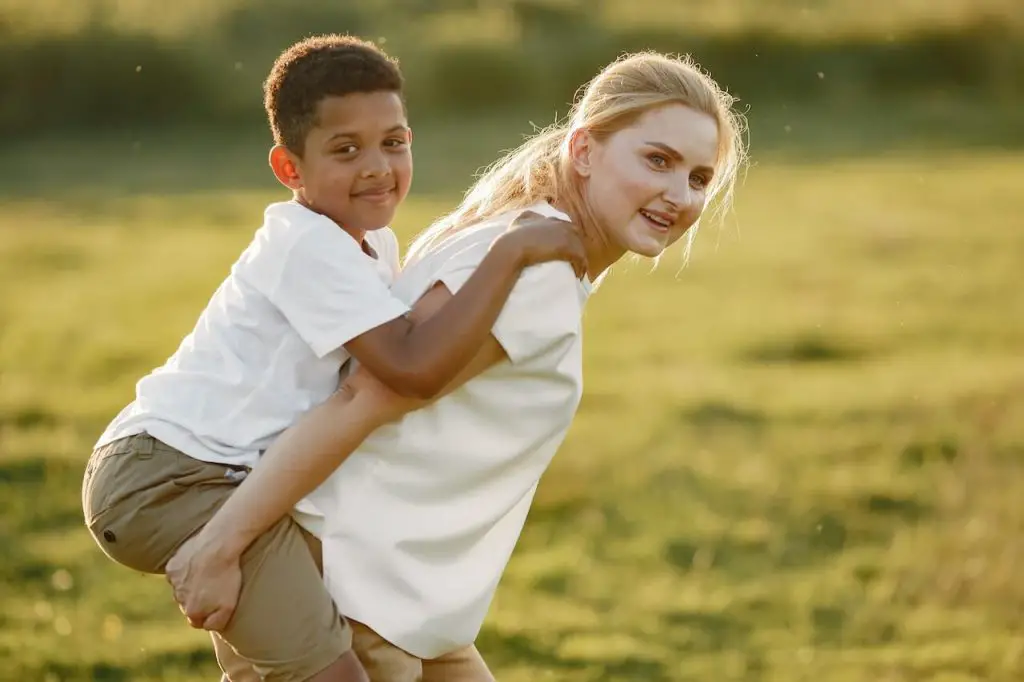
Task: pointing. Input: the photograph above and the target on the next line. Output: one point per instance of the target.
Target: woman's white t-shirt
(421, 520)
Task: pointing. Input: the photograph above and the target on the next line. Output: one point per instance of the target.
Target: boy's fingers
(578, 265)
(523, 217)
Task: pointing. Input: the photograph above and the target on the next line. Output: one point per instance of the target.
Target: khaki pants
(383, 661)
(142, 499)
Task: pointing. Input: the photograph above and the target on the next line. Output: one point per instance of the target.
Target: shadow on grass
(508, 650)
(166, 665)
(802, 349)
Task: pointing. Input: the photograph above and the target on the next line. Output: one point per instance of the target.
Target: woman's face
(647, 184)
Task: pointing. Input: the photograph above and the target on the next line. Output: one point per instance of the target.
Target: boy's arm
(205, 572)
(418, 357)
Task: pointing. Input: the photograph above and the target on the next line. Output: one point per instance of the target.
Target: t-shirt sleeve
(385, 243)
(394, 253)
(542, 311)
(325, 286)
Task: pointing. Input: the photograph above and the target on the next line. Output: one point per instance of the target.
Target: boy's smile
(380, 193)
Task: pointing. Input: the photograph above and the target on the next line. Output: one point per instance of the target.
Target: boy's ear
(285, 167)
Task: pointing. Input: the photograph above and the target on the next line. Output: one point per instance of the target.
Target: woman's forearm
(302, 458)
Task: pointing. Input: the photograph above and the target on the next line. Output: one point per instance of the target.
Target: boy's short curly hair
(318, 67)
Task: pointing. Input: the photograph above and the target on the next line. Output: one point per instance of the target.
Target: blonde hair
(540, 169)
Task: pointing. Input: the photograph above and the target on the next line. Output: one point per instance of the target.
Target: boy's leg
(285, 623)
(464, 665)
(142, 499)
(234, 667)
(383, 661)
(238, 669)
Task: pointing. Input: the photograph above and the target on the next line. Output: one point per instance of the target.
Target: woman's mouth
(659, 222)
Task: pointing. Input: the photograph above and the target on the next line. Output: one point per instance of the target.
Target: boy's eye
(394, 142)
(346, 149)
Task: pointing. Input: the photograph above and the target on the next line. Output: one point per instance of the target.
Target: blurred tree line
(103, 74)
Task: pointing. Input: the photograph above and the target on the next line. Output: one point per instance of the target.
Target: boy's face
(357, 163)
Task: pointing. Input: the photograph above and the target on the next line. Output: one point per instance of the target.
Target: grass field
(799, 458)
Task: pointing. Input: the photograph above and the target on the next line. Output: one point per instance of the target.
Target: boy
(309, 292)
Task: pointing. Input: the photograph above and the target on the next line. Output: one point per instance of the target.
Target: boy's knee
(286, 624)
(345, 669)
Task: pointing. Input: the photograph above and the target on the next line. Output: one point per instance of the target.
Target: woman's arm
(205, 571)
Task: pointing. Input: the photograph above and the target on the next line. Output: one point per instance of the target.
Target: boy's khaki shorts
(142, 499)
(384, 662)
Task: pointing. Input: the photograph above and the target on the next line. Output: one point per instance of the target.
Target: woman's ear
(581, 148)
(285, 167)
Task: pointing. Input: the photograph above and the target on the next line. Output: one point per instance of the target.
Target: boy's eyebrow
(400, 128)
(675, 154)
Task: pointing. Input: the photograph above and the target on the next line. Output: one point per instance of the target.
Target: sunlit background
(800, 457)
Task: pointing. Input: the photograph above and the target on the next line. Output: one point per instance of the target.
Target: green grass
(799, 458)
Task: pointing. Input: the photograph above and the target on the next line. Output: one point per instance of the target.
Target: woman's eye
(658, 160)
(699, 181)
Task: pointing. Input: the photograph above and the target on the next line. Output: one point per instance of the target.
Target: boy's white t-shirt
(269, 345)
(420, 521)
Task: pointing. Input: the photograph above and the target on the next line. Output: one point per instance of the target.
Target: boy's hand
(206, 583)
(540, 239)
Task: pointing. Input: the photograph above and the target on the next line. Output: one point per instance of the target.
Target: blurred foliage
(109, 68)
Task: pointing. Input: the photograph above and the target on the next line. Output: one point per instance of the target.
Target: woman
(419, 524)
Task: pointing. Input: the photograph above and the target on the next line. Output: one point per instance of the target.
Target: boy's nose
(376, 165)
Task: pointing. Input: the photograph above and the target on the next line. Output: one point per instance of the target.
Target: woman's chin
(644, 241)
(648, 248)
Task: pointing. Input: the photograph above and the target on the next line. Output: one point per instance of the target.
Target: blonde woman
(418, 525)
